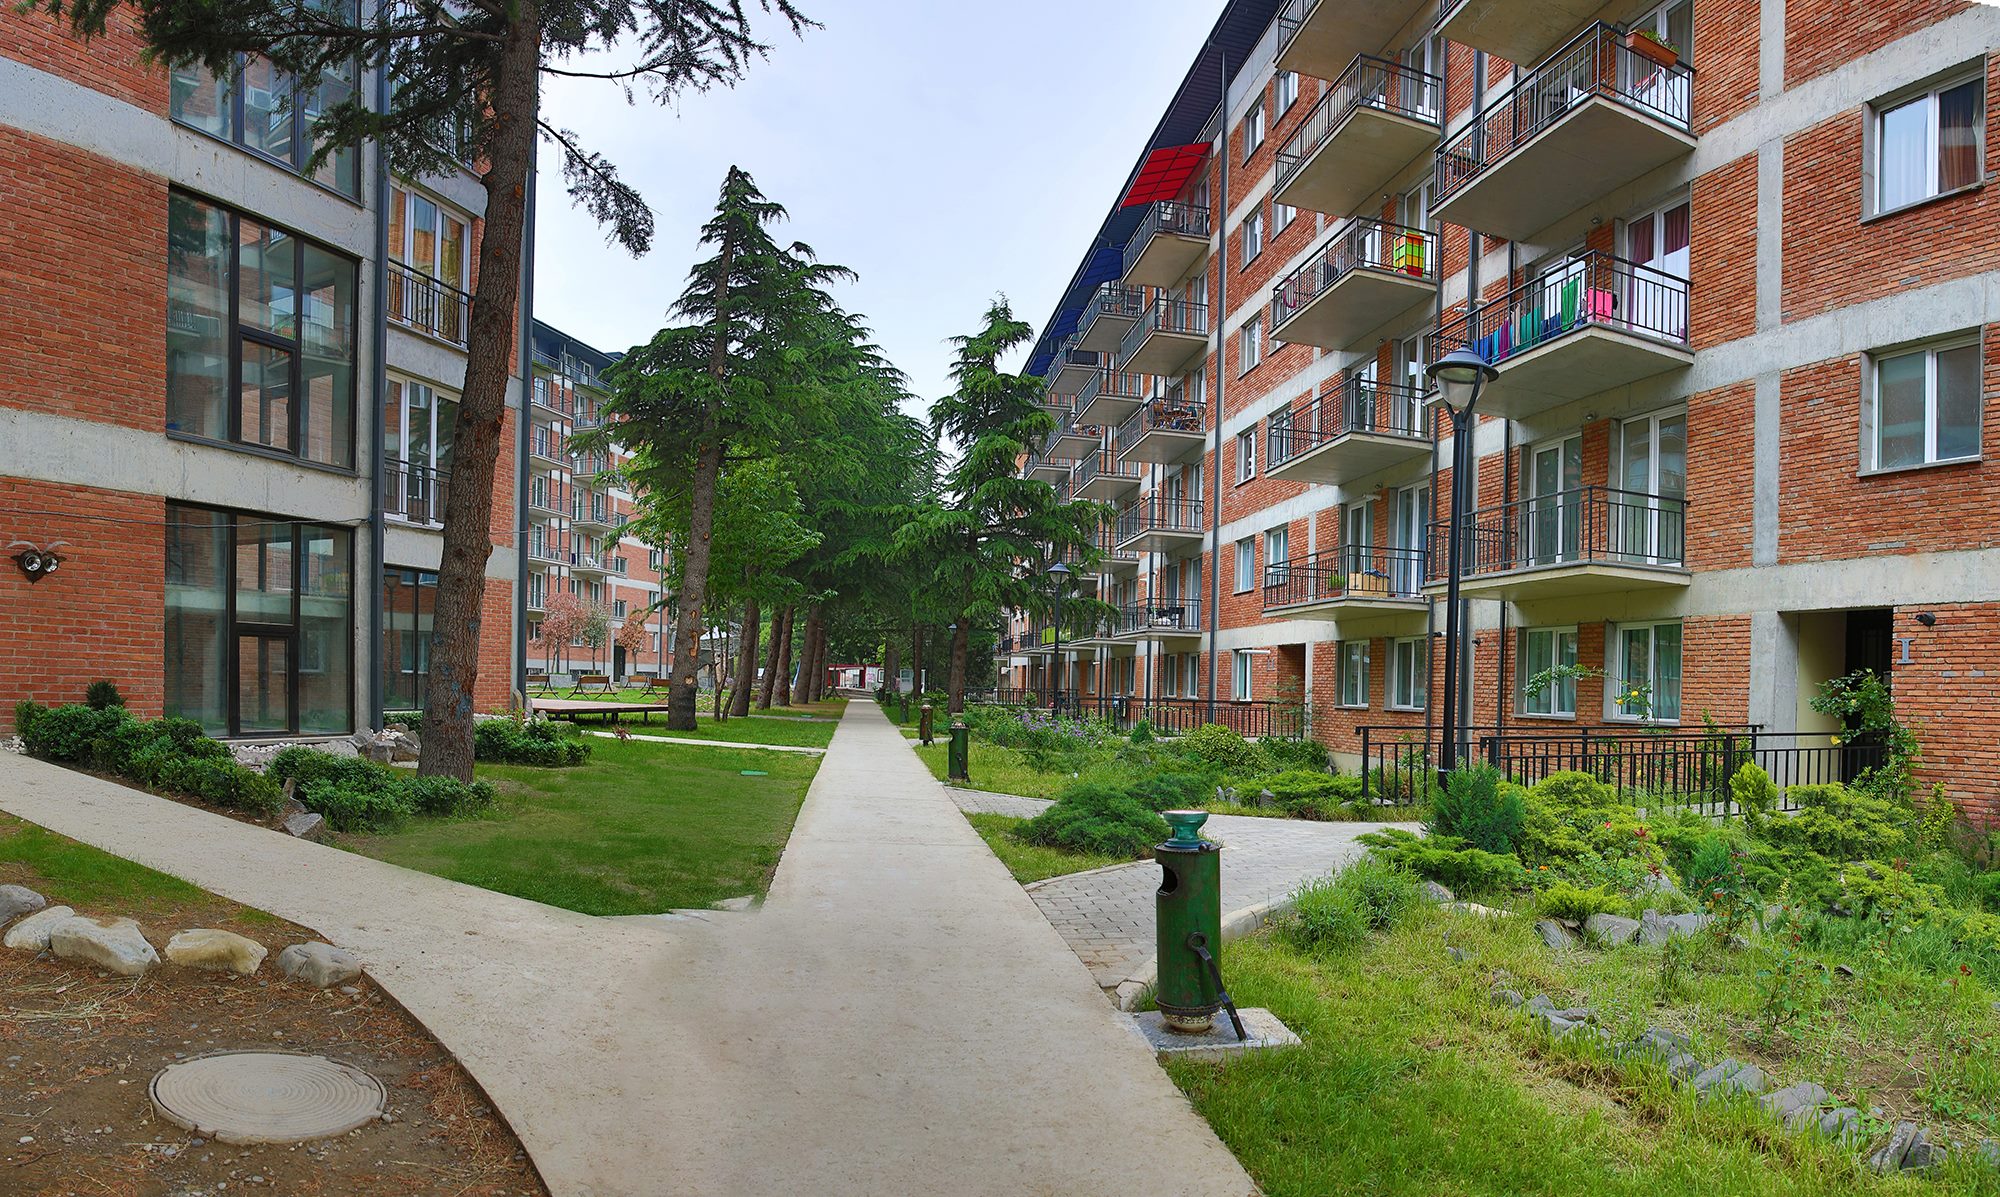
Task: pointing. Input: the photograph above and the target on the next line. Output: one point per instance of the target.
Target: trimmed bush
(445, 796)
(1172, 791)
(1338, 912)
(1308, 795)
(357, 808)
(1102, 819)
(1478, 808)
(103, 694)
(1448, 861)
(67, 734)
(536, 742)
(1565, 901)
(1225, 749)
(353, 794)
(1294, 755)
(221, 782)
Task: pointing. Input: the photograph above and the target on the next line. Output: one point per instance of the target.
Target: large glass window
(1246, 564)
(260, 618)
(1924, 407)
(409, 603)
(429, 266)
(254, 310)
(1239, 676)
(270, 113)
(1353, 661)
(1645, 672)
(1409, 672)
(417, 425)
(1929, 144)
(1543, 650)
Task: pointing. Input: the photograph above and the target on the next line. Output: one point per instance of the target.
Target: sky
(948, 152)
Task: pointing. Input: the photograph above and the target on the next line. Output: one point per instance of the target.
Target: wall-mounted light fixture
(37, 563)
(1927, 619)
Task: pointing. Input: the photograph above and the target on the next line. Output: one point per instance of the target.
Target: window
(1246, 456)
(409, 602)
(1172, 681)
(1251, 347)
(1246, 563)
(261, 331)
(428, 263)
(1542, 650)
(1253, 238)
(618, 608)
(1929, 144)
(1281, 217)
(269, 113)
(1253, 130)
(1644, 668)
(1239, 675)
(1277, 554)
(1288, 91)
(260, 624)
(417, 423)
(1409, 672)
(1923, 407)
(1353, 661)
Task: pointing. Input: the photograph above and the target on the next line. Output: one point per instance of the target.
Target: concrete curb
(1235, 924)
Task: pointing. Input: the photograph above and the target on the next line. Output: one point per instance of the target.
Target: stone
(1656, 883)
(1989, 1153)
(1889, 1157)
(1797, 1106)
(1507, 997)
(1540, 1006)
(31, 934)
(1555, 935)
(746, 902)
(1485, 912)
(319, 964)
(16, 900)
(1682, 1067)
(1457, 955)
(1730, 1076)
(1843, 1123)
(1610, 930)
(115, 945)
(1664, 1040)
(1437, 893)
(1656, 928)
(216, 951)
(1922, 1153)
(1263, 1028)
(305, 825)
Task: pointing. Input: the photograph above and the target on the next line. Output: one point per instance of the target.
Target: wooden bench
(538, 683)
(594, 683)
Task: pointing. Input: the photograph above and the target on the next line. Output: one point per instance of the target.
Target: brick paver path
(1106, 915)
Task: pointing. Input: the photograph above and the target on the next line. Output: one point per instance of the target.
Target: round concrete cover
(267, 1097)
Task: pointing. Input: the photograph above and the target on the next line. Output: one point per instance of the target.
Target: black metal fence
(1354, 405)
(1368, 82)
(1114, 300)
(1363, 243)
(1167, 615)
(1167, 716)
(1174, 413)
(1354, 571)
(413, 492)
(429, 305)
(1155, 514)
(1592, 289)
(1168, 217)
(1579, 526)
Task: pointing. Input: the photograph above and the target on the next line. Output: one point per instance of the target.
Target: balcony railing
(1258, 719)
(1155, 514)
(1361, 244)
(1350, 572)
(1114, 302)
(1169, 615)
(548, 553)
(413, 492)
(1368, 82)
(1101, 466)
(430, 306)
(1587, 525)
(1165, 218)
(1595, 64)
(547, 447)
(1164, 316)
(1356, 405)
(1592, 290)
(1171, 414)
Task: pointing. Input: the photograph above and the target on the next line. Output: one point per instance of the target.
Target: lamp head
(1059, 572)
(1460, 375)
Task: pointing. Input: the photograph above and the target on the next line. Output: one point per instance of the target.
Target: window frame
(1872, 207)
(1285, 87)
(1871, 403)
(1253, 238)
(1245, 575)
(1351, 675)
(1615, 680)
(1254, 130)
(1560, 635)
(301, 127)
(1242, 675)
(1246, 456)
(1250, 345)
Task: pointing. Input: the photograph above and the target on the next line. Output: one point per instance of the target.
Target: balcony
(1107, 315)
(542, 509)
(1359, 428)
(537, 601)
(1593, 118)
(1157, 525)
(546, 554)
(1583, 541)
(1520, 31)
(1071, 368)
(413, 492)
(588, 563)
(1110, 398)
(1367, 590)
(1373, 123)
(1162, 619)
(1591, 325)
(545, 452)
(1074, 442)
(1101, 477)
(1168, 244)
(547, 400)
(1168, 340)
(420, 302)
(1320, 37)
(1112, 561)
(1041, 469)
(592, 466)
(1367, 274)
(1164, 431)
(597, 516)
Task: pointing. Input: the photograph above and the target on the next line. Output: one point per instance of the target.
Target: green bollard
(959, 756)
(924, 725)
(1189, 904)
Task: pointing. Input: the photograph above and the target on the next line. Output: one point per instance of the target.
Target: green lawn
(995, 769)
(750, 729)
(84, 876)
(1031, 862)
(643, 828)
(1413, 1082)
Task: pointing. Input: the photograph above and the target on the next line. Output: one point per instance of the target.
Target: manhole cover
(267, 1097)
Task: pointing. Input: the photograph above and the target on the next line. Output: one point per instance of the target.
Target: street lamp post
(1460, 375)
(1059, 575)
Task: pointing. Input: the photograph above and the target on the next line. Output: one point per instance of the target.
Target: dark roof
(555, 343)
(1201, 93)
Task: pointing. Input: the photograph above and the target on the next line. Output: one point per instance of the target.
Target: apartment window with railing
(1353, 671)
(1246, 456)
(1246, 564)
(417, 423)
(269, 113)
(1922, 406)
(261, 334)
(1643, 672)
(428, 266)
(1928, 144)
(1409, 673)
(1547, 660)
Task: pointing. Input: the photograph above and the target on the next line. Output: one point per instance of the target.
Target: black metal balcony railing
(542, 551)
(1112, 384)
(413, 492)
(1169, 217)
(1257, 719)
(1361, 244)
(1352, 571)
(1112, 299)
(1104, 465)
(1595, 64)
(1368, 82)
(545, 446)
(1155, 514)
(1171, 414)
(1166, 614)
(1592, 290)
(425, 304)
(1291, 19)
(1355, 405)
(1165, 316)
(1587, 525)
(1069, 355)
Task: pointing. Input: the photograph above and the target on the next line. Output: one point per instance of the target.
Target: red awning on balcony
(1166, 171)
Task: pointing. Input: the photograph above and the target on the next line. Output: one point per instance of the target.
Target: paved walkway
(897, 1018)
(1106, 915)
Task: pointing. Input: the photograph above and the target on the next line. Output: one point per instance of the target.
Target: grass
(1413, 1082)
(750, 729)
(1032, 862)
(82, 875)
(641, 829)
(994, 769)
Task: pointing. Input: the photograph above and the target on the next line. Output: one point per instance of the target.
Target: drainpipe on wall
(377, 454)
(1219, 315)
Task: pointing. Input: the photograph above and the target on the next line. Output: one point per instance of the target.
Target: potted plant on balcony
(1647, 43)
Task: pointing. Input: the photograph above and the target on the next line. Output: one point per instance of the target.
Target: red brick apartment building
(1738, 267)
(230, 399)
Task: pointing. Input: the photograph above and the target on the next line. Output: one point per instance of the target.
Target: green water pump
(1188, 917)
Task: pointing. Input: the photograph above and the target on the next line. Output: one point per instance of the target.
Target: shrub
(1293, 755)
(102, 694)
(1088, 817)
(1219, 746)
(1887, 893)
(305, 766)
(68, 733)
(1842, 824)
(1143, 734)
(221, 783)
(1565, 901)
(357, 808)
(448, 796)
(1755, 797)
(1572, 819)
(1477, 808)
(25, 712)
(1309, 795)
(1172, 791)
(1336, 912)
(535, 742)
(1447, 861)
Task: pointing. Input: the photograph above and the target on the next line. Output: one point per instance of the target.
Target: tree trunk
(694, 588)
(803, 685)
(771, 658)
(746, 659)
(820, 686)
(960, 637)
(492, 349)
(782, 691)
(891, 664)
(917, 658)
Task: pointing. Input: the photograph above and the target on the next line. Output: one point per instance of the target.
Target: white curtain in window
(1903, 160)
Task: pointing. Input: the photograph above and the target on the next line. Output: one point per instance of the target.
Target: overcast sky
(946, 151)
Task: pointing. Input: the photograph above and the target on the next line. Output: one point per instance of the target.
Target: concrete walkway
(1106, 915)
(898, 1018)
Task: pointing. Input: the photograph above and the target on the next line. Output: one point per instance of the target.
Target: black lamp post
(1059, 575)
(1460, 375)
